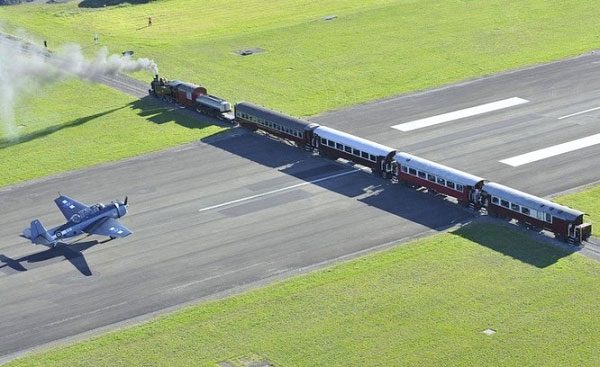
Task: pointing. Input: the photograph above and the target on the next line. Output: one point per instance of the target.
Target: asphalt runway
(242, 209)
(476, 144)
(182, 249)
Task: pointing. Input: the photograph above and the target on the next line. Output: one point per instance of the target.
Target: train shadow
(514, 242)
(160, 112)
(413, 205)
(364, 187)
(72, 253)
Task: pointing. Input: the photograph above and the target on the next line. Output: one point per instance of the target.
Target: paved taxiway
(476, 144)
(179, 253)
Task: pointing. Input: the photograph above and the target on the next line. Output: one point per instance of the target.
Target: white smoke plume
(25, 67)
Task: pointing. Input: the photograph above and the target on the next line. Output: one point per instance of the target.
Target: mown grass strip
(425, 303)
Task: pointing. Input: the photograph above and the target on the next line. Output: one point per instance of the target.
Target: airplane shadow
(72, 253)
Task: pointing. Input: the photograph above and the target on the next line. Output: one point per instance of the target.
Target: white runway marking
(552, 151)
(278, 190)
(455, 115)
(579, 113)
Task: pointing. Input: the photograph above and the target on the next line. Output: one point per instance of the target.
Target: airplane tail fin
(38, 234)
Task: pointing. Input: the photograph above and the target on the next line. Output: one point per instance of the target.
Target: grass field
(372, 49)
(75, 125)
(422, 304)
(587, 201)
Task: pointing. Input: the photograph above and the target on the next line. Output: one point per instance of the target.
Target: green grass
(587, 201)
(373, 49)
(75, 125)
(422, 304)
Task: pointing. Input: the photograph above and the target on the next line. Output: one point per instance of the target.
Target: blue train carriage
(337, 144)
(564, 222)
(290, 128)
(421, 172)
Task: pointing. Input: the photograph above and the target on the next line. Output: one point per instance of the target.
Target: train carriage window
(412, 171)
(301, 135)
(356, 152)
(525, 210)
(364, 155)
(495, 200)
(459, 188)
(515, 207)
(331, 143)
(548, 218)
(504, 203)
(450, 184)
(431, 177)
(323, 141)
(404, 169)
(347, 149)
(421, 174)
(372, 157)
(441, 181)
(339, 146)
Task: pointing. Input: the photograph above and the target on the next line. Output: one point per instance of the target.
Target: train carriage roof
(274, 116)
(531, 201)
(437, 169)
(188, 87)
(353, 141)
(173, 83)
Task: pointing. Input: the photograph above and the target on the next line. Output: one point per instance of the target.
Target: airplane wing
(109, 227)
(69, 206)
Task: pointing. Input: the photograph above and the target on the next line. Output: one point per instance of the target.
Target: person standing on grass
(95, 37)
(45, 44)
(149, 21)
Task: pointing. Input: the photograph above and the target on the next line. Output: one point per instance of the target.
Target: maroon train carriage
(337, 144)
(564, 222)
(275, 123)
(187, 93)
(463, 186)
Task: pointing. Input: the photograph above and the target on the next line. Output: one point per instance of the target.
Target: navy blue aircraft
(97, 219)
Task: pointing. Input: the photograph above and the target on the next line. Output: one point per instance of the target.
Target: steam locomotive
(191, 96)
(469, 190)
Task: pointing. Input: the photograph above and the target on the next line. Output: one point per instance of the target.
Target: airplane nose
(122, 210)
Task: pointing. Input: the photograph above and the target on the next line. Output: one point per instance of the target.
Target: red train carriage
(187, 93)
(463, 186)
(286, 127)
(506, 202)
(338, 144)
